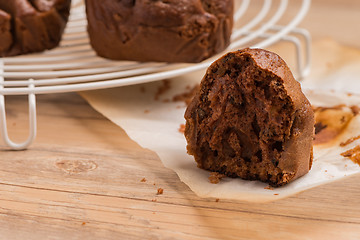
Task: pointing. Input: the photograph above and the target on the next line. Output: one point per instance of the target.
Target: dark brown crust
(250, 119)
(29, 26)
(5, 31)
(159, 30)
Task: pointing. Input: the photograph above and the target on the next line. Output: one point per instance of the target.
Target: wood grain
(40, 198)
(81, 179)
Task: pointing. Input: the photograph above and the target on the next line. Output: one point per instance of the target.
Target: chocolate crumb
(353, 154)
(217, 200)
(350, 140)
(182, 128)
(142, 89)
(342, 120)
(355, 109)
(143, 180)
(162, 89)
(153, 200)
(276, 194)
(186, 96)
(215, 177)
(269, 188)
(146, 111)
(160, 191)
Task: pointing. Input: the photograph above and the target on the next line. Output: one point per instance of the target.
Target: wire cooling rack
(74, 66)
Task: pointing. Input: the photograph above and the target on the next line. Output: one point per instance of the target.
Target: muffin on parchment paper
(251, 120)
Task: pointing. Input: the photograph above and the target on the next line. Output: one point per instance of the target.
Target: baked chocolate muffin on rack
(159, 30)
(251, 120)
(28, 26)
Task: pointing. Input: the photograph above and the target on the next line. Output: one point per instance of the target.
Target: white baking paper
(154, 124)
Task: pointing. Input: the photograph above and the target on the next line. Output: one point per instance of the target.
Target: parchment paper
(154, 124)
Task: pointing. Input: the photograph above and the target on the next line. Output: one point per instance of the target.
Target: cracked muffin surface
(159, 30)
(251, 120)
(28, 26)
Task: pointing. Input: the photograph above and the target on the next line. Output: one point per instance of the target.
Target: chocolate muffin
(159, 30)
(251, 120)
(28, 26)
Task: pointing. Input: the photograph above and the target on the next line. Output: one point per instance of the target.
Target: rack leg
(32, 122)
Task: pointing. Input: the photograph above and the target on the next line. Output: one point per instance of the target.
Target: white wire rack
(74, 66)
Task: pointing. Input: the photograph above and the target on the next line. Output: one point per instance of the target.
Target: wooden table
(83, 178)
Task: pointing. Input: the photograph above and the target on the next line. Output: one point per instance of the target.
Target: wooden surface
(81, 179)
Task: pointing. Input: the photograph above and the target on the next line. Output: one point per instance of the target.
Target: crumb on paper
(215, 177)
(353, 154)
(350, 140)
(182, 128)
(186, 96)
(325, 170)
(217, 200)
(162, 89)
(143, 180)
(276, 194)
(269, 188)
(146, 111)
(83, 223)
(160, 191)
(153, 200)
(355, 109)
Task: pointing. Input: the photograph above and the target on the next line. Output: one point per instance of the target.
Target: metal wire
(73, 66)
